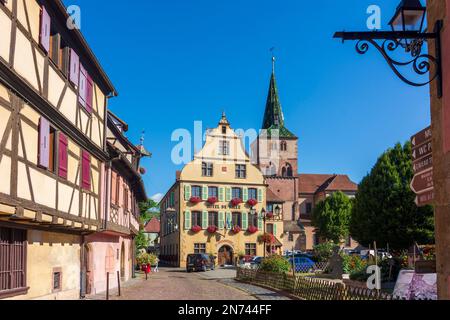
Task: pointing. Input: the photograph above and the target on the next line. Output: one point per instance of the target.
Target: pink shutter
(86, 170)
(83, 86)
(89, 93)
(74, 67)
(63, 152)
(114, 187)
(45, 30)
(44, 143)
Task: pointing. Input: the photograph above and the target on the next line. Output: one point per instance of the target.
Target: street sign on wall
(422, 183)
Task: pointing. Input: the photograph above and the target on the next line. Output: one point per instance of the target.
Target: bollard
(107, 286)
(118, 281)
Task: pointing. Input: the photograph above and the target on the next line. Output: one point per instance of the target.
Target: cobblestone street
(177, 284)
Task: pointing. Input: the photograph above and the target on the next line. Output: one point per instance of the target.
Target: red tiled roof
(313, 183)
(153, 226)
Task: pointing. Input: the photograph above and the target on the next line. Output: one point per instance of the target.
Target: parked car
(256, 262)
(199, 262)
(303, 264)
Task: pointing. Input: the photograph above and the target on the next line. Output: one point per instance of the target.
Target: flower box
(236, 229)
(269, 215)
(235, 202)
(196, 229)
(266, 238)
(195, 200)
(252, 230)
(212, 229)
(212, 200)
(252, 202)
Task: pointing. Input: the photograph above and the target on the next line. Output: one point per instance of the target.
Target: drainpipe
(82, 268)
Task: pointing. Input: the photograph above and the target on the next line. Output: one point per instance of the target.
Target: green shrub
(146, 258)
(276, 264)
(324, 251)
(352, 264)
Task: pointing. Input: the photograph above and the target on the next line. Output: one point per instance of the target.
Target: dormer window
(224, 130)
(224, 148)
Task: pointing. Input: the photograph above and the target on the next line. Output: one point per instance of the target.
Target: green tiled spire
(273, 116)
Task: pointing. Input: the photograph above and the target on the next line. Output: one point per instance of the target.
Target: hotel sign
(422, 183)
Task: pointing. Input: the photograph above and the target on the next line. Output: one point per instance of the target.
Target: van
(199, 262)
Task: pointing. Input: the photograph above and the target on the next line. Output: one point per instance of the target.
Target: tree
(141, 241)
(149, 209)
(332, 217)
(384, 210)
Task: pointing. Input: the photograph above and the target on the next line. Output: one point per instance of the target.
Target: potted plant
(252, 202)
(269, 215)
(236, 229)
(266, 238)
(195, 200)
(252, 230)
(212, 229)
(196, 229)
(236, 201)
(212, 200)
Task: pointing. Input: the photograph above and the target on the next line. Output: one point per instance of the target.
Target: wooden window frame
(200, 248)
(196, 218)
(241, 171)
(55, 271)
(232, 193)
(199, 191)
(236, 216)
(251, 249)
(251, 190)
(213, 219)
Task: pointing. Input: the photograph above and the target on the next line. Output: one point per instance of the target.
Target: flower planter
(269, 215)
(252, 202)
(266, 238)
(212, 229)
(212, 200)
(252, 229)
(195, 200)
(236, 202)
(236, 230)
(196, 229)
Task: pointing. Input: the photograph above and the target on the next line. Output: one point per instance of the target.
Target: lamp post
(263, 213)
(408, 33)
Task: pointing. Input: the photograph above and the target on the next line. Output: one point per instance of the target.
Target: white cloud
(157, 197)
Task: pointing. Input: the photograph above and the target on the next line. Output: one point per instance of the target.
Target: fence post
(118, 281)
(107, 286)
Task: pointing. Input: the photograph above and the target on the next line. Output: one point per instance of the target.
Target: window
(57, 280)
(224, 130)
(196, 219)
(253, 220)
(200, 248)
(207, 169)
(213, 192)
(283, 146)
(13, 246)
(291, 237)
(46, 154)
(287, 170)
(241, 171)
(213, 219)
(224, 148)
(126, 206)
(236, 193)
(269, 228)
(250, 249)
(252, 193)
(316, 239)
(196, 191)
(54, 51)
(64, 54)
(308, 208)
(237, 219)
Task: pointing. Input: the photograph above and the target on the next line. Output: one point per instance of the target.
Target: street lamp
(263, 213)
(407, 32)
(277, 210)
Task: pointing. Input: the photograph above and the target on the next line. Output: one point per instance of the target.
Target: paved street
(177, 284)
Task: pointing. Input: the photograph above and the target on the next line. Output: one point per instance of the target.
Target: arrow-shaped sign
(422, 182)
(422, 150)
(423, 164)
(424, 199)
(420, 138)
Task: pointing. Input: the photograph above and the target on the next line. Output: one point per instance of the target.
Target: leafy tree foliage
(384, 209)
(149, 210)
(332, 217)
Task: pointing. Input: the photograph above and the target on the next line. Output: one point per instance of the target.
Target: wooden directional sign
(422, 154)
(424, 199)
(422, 150)
(423, 164)
(422, 182)
(420, 138)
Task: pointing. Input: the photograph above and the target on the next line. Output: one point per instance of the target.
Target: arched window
(283, 146)
(287, 171)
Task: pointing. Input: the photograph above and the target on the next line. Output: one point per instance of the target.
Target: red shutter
(63, 153)
(86, 170)
(74, 67)
(83, 86)
(44, 143)
(89, 93)
(44, 37)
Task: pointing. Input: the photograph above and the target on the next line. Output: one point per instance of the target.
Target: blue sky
(178, 61)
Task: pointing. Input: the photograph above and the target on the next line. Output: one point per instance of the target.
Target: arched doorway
(225, 256)
(122, 261)
(88, 269)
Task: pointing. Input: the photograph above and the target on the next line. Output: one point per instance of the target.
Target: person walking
(156, 269)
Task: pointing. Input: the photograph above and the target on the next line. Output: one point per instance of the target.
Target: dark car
(199, 262)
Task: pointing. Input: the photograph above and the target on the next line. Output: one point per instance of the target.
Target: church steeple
(273, 116)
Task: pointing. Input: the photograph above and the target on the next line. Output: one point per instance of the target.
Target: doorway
(88, 269)
(225, 257)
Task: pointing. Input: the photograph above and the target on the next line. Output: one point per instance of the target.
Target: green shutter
(260, 195)
(172, 199)
(260, 222)
(228, 194)
(187, 220)
(229, 221)
(221, 194)
(205, 193)
(244, 194)
(205, 220)
(244, 220)
(187, 192)
(221, 220)
(275, 229)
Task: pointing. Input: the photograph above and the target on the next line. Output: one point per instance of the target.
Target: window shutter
(244, 220)
(221, 194)
(205, 193)
(74, 67)
(229, 220)
(275, 229)
(221, 220)
(89, 93)
(244, 194)
(44, 37)
(86, 170)
(260, 222)
(260, 195)
(172, 199)
(83, 87)
(44, 143)
(187, 220)
(187, 192)
(228, 194)
(63, 155)
(205, 220)
(113, 187)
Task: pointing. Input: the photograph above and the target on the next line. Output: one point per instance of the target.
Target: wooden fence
(307, 288)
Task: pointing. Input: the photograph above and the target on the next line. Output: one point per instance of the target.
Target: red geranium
(235, 202)
(252, 229)
(236, 229)
(252, 202)
(212, 229)
(269, 215)
(212, 200)
(195, 200)
(266, 238)
(196, 229)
